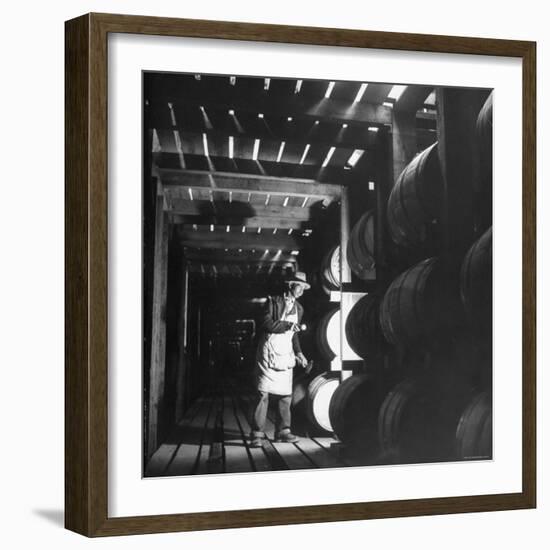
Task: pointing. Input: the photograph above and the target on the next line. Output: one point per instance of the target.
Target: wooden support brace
(183, 365)
(158, 339)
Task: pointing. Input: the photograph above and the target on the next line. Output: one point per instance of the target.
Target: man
(277, 354)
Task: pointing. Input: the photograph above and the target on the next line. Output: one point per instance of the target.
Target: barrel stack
(423, 326)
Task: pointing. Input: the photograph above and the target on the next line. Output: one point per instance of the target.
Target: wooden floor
(213, 437)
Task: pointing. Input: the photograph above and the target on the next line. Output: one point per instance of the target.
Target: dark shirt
(271, 318)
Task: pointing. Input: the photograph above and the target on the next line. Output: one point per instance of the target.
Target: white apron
(275, 359)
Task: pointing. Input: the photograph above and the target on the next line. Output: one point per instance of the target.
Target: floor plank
(332, 446)
(186, 456)
(160, 460)
(162, 457)
(236, 453)
(320, 457)
(208, 438)
(260, 461)
(289, 452)
(275, 459)
(215, 462)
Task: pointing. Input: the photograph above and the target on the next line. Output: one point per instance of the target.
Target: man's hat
(298, 277)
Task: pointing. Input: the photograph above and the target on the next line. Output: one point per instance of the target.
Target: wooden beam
(384, 179)
(333, 173)
(234, 268)
(228, 273)
(345, 271)
(240, 240)
(174, 179)
(283, 224)
(247, 256)
(276, 129)
(297, 105)
(158, 339)
(232, 230)
(182, 391)
(242, 211)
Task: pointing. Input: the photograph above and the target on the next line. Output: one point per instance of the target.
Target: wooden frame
(86, 274)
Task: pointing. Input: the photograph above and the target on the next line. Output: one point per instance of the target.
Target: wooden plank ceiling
(249, 165)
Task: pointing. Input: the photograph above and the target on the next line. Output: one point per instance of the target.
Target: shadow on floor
(57, 517)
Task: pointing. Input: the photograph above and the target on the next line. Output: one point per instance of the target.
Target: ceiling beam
(284, 224)
(246, 256)
(297, 105)
(327, 133)
(227, 181)
(241, 211)
(329, 174)
(235, 241)
(257, 274)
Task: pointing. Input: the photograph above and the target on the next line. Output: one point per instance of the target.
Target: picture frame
(87, 436)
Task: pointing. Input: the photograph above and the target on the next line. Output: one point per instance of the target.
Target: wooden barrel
(330, 270)
(483, 182)
(484, 136)
(421, 304)
(418, 418)
(476, 280)
(300, 384)
(394, 437)
(328, 335)
(474, 434)
(484, 123)
(415, 200)
(319, 395)
(360, 249)
(354, 410)
(363, 330)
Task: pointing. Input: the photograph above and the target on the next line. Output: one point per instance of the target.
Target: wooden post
(403, 141)
(345, 274)
(198, 332)
(185, 308)
(457, 111)
(181, 390)
(158, 339)
(383, 184)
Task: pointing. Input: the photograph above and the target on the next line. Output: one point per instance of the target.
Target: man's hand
(302, 361)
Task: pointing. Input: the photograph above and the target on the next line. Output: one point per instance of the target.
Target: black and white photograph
(316, 274)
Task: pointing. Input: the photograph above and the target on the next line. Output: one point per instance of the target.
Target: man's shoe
(286, 437)
(257, 442)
